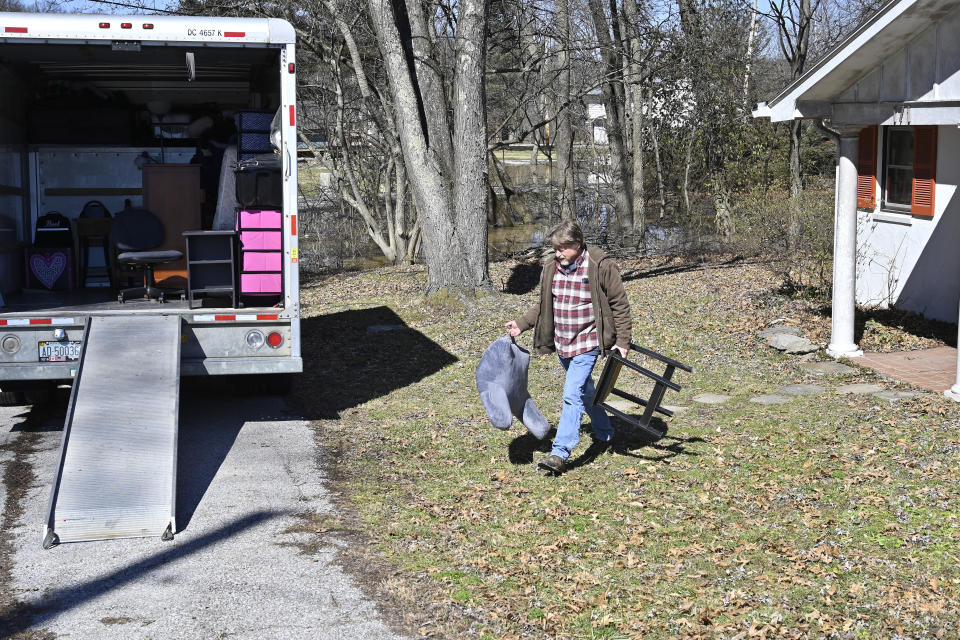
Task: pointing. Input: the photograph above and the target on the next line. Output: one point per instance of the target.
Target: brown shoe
(553, 463)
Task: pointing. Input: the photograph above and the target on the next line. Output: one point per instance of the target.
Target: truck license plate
(60, 351)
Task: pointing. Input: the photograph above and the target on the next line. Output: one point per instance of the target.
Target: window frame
(885, 205)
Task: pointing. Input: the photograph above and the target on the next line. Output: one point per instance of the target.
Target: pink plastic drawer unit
(261, 252)
(257, 261)
(256, 219)
(261, 240)
(259, 283)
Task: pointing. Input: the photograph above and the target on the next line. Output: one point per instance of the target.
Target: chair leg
(149, 288)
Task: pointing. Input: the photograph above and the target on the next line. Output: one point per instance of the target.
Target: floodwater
(502, 241)
(509, 241)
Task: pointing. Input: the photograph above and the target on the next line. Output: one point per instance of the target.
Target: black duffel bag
(260, 182)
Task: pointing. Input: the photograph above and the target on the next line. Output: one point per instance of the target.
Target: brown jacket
(610, 305)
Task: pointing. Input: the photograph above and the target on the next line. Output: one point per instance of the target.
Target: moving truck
(112, 127)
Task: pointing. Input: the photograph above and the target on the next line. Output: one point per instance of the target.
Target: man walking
(583, 312)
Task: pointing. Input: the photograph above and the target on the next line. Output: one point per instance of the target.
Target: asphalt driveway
(249, 560)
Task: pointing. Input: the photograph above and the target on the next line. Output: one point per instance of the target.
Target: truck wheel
(42, 394)
(11, 399)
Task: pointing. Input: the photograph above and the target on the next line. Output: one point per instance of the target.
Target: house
(596, 117)
(670, 104)
(891, 93)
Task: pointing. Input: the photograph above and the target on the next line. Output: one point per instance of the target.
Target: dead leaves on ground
(826, 517)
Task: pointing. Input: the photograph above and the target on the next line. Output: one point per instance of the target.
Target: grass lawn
(830, 515)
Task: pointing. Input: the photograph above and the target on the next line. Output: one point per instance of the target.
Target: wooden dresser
(172, 193)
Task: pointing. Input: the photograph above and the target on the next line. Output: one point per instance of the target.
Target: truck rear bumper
(188, 367)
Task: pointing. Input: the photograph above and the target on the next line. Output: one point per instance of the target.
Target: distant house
(670, 104)
(891, 91)
(596, 117)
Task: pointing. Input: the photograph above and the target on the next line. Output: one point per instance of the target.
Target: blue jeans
(578, 393)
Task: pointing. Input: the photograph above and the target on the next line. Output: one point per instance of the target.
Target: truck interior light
(274, 339)
(254, 339)
(10, 344)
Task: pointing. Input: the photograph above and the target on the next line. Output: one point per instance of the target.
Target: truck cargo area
(104, 302)
(126, 126)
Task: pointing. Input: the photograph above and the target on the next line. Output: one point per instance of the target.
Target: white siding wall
(901, 262)
(926, 69)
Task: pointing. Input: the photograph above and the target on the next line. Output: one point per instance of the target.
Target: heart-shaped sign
(48, 268)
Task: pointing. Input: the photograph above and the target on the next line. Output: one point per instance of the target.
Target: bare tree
(794, 22)
(614, 102)
(449, 181)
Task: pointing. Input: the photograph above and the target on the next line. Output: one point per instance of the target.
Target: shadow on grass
(669, 267)
(354, 356)
(627, 441)
(522, 448)
(901, 320)
(524, 278)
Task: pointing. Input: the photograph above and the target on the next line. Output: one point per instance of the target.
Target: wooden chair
(610, 374)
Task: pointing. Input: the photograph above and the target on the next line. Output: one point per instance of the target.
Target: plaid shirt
(575, 327)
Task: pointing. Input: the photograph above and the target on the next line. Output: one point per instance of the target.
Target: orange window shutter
(867, 169)
(924, 170)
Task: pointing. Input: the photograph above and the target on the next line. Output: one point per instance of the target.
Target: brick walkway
(933, 369)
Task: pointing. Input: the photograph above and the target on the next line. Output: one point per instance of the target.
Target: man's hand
(620, 350)
(512, 328)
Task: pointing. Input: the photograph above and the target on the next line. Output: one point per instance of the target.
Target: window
(898, 167)
(908, 169)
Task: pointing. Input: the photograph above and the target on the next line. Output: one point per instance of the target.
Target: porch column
(954, 391)
(845, 248)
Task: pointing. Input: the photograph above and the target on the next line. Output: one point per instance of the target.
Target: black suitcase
(260, 182)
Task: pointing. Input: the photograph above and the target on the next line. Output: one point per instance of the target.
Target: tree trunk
(721, 206)
(687, 162)
(636, 77)
(452, 212)
(613, 103)
(563, 145)
(471, 172)
(661, 192)
(796, 170)
(749, 64)
(794, 20)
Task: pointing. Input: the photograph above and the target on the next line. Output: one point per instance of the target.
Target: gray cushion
(151, 257)
(502, 383)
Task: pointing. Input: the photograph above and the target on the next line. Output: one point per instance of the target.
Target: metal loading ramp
(117, 472)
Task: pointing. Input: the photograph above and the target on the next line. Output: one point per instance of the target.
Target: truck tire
(11, 399)
(28, 393)
(42, 394)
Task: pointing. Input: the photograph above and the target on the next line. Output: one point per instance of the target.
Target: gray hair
(567, 232)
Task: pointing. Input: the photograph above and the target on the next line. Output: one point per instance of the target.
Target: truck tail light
(274, 339)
